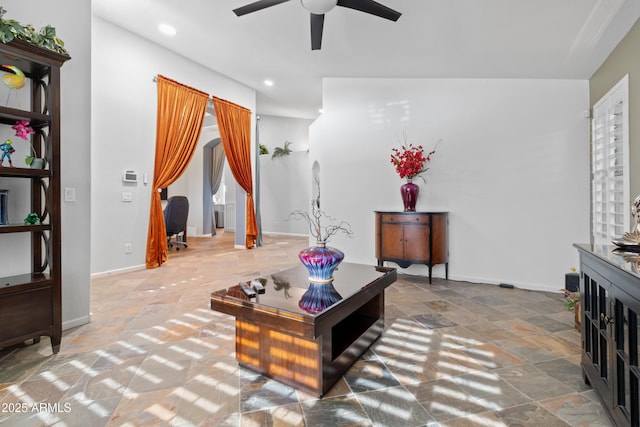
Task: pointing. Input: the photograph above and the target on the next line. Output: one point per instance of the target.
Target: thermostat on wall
(130, 176)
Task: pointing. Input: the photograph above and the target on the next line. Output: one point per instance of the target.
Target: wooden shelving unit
(31, 302)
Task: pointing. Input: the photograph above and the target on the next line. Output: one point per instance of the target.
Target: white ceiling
(566, 39)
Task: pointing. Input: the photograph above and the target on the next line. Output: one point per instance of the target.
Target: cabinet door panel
(23, 313)
(416, 242)
(393, 241)
(625, 359)
(440, 239)
(596, 326)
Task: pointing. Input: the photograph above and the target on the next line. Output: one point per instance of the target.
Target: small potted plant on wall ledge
(10, 30)
(282, 151)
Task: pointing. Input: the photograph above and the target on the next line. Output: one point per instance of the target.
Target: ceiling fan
(318, 8)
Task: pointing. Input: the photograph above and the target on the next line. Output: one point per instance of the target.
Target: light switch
(127, 196)
(69, 194)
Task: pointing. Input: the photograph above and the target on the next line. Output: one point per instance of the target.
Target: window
(610, 165)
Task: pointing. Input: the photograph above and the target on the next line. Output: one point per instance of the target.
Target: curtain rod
(155, 80)
(209, 99)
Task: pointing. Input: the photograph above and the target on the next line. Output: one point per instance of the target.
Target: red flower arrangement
(410, 160)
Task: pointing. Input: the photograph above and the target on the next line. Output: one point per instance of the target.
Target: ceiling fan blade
(371, 7)
(317, 23)
(256, 6)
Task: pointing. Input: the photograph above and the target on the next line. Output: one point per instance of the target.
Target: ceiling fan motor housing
(319, 7)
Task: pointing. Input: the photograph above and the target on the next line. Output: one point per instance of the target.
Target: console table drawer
(406, 218)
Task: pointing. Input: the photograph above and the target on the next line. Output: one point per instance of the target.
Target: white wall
(275, 130)
(512, 169)
(124, 125)
(285, 182)
(285, 186)
(75, 30)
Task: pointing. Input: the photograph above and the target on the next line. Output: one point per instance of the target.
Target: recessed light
(167, 29)
(268, 83)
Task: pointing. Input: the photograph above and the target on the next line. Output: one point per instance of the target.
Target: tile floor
(452, 354)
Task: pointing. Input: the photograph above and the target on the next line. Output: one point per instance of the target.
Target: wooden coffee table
(310, 352)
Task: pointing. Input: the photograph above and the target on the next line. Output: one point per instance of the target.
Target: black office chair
(175, 219)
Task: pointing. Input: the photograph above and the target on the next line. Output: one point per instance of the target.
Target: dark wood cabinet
(31, 302)
(610, 300)
(413, 238)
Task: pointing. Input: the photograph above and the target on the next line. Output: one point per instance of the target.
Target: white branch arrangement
(322, 233)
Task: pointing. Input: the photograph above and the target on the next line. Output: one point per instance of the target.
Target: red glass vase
(409, 192)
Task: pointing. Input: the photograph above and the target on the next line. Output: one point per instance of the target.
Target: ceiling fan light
(319, 7)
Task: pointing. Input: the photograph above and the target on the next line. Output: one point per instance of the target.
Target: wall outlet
(127, 196)
(127, 248)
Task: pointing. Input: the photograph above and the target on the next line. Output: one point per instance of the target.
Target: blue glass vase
(321, 261)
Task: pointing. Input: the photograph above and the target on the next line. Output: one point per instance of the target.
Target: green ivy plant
(11, 29)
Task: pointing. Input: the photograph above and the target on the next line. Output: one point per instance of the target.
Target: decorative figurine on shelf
(13, 81)
(6, 148)
(635, 212)
(32, 219)
(631, 239)
(4, 207)
(634, 235)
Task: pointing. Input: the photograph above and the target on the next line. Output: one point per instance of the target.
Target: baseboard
(118, 271)
(474, 279)
(68, 324)
(276, 233)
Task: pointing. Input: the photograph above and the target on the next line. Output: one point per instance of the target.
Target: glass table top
(284, 289)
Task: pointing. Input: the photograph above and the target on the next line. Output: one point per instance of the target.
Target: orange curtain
(234, 124)
(181, 111)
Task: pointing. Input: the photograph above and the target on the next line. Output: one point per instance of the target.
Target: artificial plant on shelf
(46, 37)
(24, 131)
(32, 219)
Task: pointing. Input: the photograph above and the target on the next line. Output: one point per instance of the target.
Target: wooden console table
(413, 238)
(310, 352)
